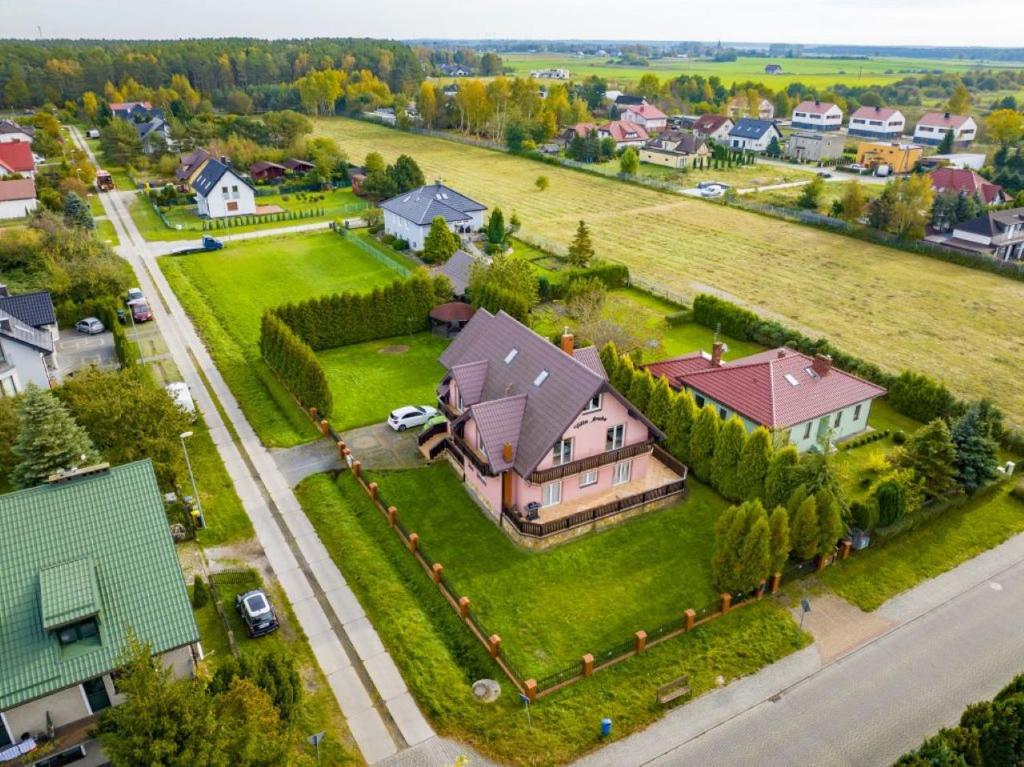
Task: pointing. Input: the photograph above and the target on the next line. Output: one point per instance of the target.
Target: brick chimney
(568, 342)
(822, 364)
(781, 353)
(717, 349)
(506, 452)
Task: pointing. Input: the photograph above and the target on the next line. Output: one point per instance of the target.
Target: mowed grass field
(894, 308)
(226, 292)
(821, 73)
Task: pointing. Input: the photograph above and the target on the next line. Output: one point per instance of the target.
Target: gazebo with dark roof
(451, 317)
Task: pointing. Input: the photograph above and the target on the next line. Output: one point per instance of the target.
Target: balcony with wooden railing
(590, 462)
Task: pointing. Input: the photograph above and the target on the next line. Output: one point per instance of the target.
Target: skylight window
(541, 378)
(810, 372)
(511, 355)
(791, 380)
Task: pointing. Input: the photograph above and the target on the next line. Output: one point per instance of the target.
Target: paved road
(956, 640)
(381, 713)
(164, 247)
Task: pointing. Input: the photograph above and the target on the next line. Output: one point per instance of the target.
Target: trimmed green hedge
(495, 299)
(294, 363)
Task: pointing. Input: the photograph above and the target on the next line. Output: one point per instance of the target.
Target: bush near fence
(294, 363)
(912, 394)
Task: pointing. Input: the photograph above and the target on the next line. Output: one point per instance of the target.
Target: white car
(410, 415)
(712, 191)
(179, 392)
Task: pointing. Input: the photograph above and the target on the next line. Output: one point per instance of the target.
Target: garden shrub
(682, 317)
(899, 437)
(495, 298)
(1018, 490)
(891, 498)
(200, 592)
(864, 515)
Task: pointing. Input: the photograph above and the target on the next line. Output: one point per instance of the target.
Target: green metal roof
(68, 593)
(97, 545)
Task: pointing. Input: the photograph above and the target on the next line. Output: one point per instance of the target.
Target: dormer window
(78, 632)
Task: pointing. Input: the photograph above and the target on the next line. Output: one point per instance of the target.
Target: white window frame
(838, 419)
(807, 429)
(558, 453)
(480, 441)
(551, 494)
(589, 478)
(856, 412)
(622, 467)
(595, 403)
(619, 429)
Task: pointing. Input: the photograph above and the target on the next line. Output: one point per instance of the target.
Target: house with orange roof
(967, 182)
(16, 157)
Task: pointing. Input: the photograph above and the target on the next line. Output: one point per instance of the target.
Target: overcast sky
(866, 22)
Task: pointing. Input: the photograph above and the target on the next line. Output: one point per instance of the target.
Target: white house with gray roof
(28, 335)
(221, 192)
(408, 216)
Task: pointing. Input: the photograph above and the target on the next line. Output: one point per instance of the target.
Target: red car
(140, 311)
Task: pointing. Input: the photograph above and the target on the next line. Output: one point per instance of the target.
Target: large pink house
(544, 442)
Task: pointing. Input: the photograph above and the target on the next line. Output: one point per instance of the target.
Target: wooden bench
(675, 689)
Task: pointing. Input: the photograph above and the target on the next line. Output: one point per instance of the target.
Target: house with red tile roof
(16, 157)
(804, 401)
(968, 182)
(817, 115)
(543, 441)
(933, 127)
(17, 198)
(884, 123)
(648, 116)
(714, 127)
(624, 133)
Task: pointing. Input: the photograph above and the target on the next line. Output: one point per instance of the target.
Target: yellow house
(901, 158)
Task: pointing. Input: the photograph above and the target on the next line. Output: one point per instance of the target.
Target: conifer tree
(440, 243)
(77, 213)
(753, 464)
(932, 456)
(730, 528)
(781, 478)
(660, 405)
(732, 438)
(778, 525)
(702, 442)
(795, 500)
(623, 379)
(755, 558)
(830, 521)
(610, 359)
(496, 227)
(805, 535)
(49, 440)
(680, 423)
(976, 451)
(640, 390)
(581, 250)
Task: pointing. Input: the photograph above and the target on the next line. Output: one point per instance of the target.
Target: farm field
(814, 72)
(226, 292)
(870, 300)
(739, 176)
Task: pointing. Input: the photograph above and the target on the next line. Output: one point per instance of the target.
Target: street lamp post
(195, 491)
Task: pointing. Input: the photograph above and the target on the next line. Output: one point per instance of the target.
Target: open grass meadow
(439, 658)
(739, 176)
(813, 72)
(226, 292)
(876, 302)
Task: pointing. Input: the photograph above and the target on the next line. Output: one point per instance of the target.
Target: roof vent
(511, 355)
(791, 379)
(541, 378)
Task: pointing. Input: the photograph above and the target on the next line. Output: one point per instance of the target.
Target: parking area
(76, 350)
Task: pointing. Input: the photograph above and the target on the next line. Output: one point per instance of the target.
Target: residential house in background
(456, 269)
(647, 116)
(969, 160)
(10, 132)
(17, 198)
(674, 148)
(624, 100)
(773, 69)
(455, 70)
(93, 566)
(802, 400)
(714, 127)
(883, 123)
(624, 133)
(221, 192)
(139, 111)
(538, 432)
(999, 234)
(17, 157)
(932, 128)
(753, 135)
(297, 166)
(740, 107)
(900, 158)
(408, 216)
(154, 134)
(967, 182)
(34, 309)
(27, 353)
(550, 74)
(815, 146)
(264, 170)
(190, 165)
(817, 115)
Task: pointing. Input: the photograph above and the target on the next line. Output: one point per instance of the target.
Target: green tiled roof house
(87, 560)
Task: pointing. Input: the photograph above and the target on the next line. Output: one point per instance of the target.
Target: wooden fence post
(373, 491)
(776, 582)
(463, 607)
(414, 541)
(530, 687)
(313, 414)
(437, 569)
(357, 468)
(588, 665)
(822, 562)
(845, 551)
(392, 516)
(760, 590)
(691, 618)
(726, 603)
(494, 645)
(641, 641)
(341, 450)
(324, 427)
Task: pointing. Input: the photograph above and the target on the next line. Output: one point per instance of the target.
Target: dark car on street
(256, 612)
(140, 311)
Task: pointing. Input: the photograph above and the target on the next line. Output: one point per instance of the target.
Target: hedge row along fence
(290, 335)
(913, 394)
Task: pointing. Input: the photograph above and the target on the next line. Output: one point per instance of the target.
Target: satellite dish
(486, 690)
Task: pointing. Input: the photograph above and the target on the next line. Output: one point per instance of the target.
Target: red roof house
(781, 389)
(625, 133)
(966, 181)
(16, 157)
(713, 126)
(264, 170)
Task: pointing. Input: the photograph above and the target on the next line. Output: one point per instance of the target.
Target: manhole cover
(394, 349)
(486, 690)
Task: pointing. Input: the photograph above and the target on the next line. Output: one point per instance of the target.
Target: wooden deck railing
(590, 462)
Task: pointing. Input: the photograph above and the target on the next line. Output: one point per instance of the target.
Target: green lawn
(439, 659)
(551, 607)
(858, 467)
(105, 232)
(318, 710)
(226, 520)
(738, 176)
(936, 545)
(371, 379)
(226, 292)
(340, 203)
